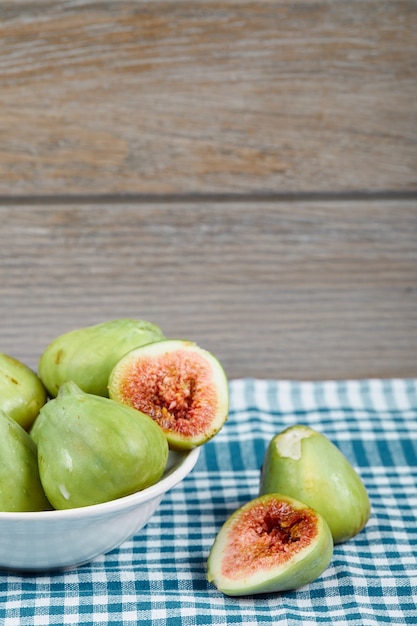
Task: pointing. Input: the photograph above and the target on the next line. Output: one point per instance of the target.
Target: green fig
(20, 484)
(21, 391)
(180, 385)
(92, 449)
(272, 543)
(87, 355)
(305, 465)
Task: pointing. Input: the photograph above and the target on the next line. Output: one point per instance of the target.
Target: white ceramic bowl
(49, 540)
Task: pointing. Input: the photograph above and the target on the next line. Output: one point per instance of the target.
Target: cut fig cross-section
(180, 385)
(272, 543)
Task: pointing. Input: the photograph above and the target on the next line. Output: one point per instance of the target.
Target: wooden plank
(208, 96)
(281, 290)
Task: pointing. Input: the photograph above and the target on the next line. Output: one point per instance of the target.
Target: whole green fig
(20, 485)
(304, 464)
(92, 449)
(21, 391)
(87, 355)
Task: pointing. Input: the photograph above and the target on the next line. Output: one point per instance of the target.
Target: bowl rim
(172, 476)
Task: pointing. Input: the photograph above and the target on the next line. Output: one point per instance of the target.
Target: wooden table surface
(242, 173)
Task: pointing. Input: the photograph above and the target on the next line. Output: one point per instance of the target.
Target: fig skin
(22, 393)
(180, 385)
(87, 355)
(272, 543)
(305, 465)
(92, 449)
(20, 485)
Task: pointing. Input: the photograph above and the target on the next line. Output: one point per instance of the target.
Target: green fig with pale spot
(87, 355)
(302, 463)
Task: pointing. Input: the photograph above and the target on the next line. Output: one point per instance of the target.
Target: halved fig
(180, 385)
(304, 464)
(272, 543)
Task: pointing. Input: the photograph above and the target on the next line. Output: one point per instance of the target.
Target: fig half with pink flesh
(272, 543)
(180, 385)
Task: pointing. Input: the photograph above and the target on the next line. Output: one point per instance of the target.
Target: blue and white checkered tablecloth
(159, 576)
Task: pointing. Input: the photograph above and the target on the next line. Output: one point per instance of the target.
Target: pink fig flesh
(180, 385)
(272, 543)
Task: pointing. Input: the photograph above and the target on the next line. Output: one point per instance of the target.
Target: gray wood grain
(183, 97)
(312, 103)
(283, 290)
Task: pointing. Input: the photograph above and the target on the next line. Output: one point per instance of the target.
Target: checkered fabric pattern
(159, 576)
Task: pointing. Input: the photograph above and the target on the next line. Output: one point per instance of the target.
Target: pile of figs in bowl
(90, 443)
(112, 420)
